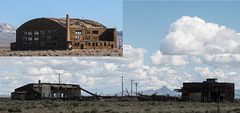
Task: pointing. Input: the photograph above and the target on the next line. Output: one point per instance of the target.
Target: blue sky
(146, 23)
(165, 44)
(107, 12)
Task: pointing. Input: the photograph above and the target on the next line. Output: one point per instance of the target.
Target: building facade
(64, 33)
(34, 91)
(207, 91)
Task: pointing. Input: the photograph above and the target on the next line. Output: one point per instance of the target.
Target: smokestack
(39, 84)
(68, 27)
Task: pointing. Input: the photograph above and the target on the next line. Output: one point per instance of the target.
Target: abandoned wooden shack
(64, 33)
(207, 91)
(40, 90)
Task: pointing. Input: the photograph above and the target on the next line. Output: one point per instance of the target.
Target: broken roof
(78, 23)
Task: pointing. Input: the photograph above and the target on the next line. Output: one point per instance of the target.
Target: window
(24, 43)
(93, 44)
(78, 32)
(96, 44)
(25, 33)
(36, 38)
(29, 33)
(54, 38)
(108, 44)
(89, 44)
(24, 38)
(87, 32)
(30, 44)
(100, 43)
(95, 32)
(104, 43)
(30, 38)
(85, 43)
(76, 44)
(42, 44)
(77, 37)
(55, 44)
(42, 32)
(49, 32)
(36, 33)
(54, 32)
(86, 37)
(48, 38)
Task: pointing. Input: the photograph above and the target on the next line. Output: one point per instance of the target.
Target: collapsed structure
(64, 33)
(40, 90)
(207, 91)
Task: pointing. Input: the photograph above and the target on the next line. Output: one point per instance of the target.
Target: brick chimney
(68, 27)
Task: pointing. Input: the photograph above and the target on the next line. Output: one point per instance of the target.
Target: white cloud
(197, 60)
(194, 36)
(158, 58)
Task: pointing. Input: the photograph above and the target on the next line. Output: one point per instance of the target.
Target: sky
(107, 12)
(165, 44)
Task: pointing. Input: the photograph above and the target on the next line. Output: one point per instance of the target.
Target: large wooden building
(34, 91)
(207, 91)
(64, 33)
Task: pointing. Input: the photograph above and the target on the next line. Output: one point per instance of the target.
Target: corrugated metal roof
(78, 23)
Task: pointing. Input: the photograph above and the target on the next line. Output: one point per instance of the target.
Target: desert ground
(59, 106)
(5, 51)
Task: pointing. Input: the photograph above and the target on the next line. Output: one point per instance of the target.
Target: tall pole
(59, 74)
(122, 84)
(131, 85)
(136, 87)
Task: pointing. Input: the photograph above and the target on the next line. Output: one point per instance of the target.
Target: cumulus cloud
(158, 58)
(194, 36)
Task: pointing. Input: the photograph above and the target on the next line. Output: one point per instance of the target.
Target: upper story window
(49, 32)
(36, 38)
(29, 33)
(25, 33)
(42, 32)
(30, 39)
(77, 37)
(87, 32)
(36, 33)
(24, 38)
(95, 31)
(54, 32)
(78, 32)
(48, 38)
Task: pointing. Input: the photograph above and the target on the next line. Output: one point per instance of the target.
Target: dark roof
(78, 23)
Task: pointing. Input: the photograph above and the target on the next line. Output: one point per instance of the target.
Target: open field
(59, 106)
(5, 51)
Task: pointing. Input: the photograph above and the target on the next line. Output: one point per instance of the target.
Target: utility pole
(131, 85)
(59, 76)
(122, 78)
(136, 87)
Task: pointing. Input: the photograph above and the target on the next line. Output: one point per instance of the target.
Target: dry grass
(59, 106)
(5, 51)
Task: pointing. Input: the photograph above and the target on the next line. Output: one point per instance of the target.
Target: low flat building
(40, 90)
(207, 91)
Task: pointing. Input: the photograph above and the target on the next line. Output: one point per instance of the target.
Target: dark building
(207, 91)
(64, 33)
(34, 91)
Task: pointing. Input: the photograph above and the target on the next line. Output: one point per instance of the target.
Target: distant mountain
(119, 39)
(7, 34)
(162, 91)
